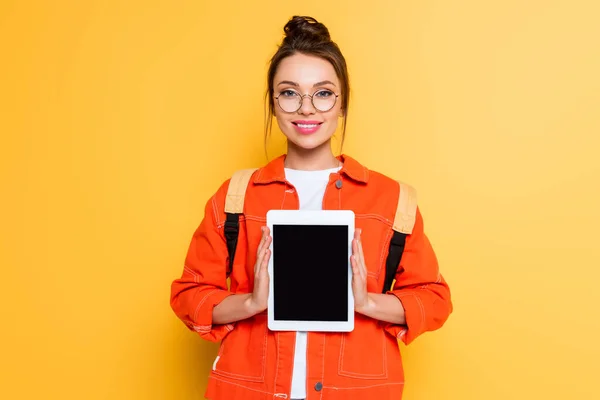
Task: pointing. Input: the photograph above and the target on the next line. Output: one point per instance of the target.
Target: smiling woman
(307, 111)
(307, 64)
(308, 93)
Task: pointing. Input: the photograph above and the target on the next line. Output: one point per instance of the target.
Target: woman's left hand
(359, 274)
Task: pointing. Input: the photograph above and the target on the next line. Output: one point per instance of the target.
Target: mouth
(306, 127)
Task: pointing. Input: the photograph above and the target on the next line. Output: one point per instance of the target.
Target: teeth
(305, 126)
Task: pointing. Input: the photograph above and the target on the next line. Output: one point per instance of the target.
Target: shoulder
(399, 197)
(229, 196)
(385, 182)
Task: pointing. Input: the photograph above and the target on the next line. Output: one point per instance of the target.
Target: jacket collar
(274, 170)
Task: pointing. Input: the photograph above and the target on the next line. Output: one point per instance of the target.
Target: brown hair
(306, 35)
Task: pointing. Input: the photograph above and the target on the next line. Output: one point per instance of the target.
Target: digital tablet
(310, 285)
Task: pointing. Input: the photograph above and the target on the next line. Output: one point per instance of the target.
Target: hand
(359, 274)
(258, 301)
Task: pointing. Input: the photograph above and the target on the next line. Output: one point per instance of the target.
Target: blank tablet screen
(310, 272)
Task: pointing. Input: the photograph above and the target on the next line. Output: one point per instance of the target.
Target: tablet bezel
(311, 217)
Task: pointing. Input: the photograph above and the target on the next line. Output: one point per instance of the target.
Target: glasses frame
(311, 97)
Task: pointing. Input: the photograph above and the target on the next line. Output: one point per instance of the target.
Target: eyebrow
(297, 85)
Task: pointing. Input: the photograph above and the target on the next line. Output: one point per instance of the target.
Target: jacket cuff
(414, 313)
(203, 321)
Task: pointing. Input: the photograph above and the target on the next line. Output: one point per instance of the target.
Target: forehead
(305, 70)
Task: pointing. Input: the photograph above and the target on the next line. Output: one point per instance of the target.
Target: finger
(260, 256)
(262, 241)
(361, 256)
(265, 261)
(263, 238)
(265, 242)
(355, 269)
(360, 249)
(360, 270)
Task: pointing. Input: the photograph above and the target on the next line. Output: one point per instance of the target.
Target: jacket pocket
(243, 351)
(363, 351)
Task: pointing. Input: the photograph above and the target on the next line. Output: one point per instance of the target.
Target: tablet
(310, 285)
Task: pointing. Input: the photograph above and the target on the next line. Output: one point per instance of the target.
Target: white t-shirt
(310, 187)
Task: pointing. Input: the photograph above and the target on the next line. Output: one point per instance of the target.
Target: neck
(316, 159)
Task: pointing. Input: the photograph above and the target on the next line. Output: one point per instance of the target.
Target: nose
(306, 107)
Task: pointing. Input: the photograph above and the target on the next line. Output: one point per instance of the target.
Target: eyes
(291, 101)
(322, 93)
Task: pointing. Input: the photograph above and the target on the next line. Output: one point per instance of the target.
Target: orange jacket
(255, 363)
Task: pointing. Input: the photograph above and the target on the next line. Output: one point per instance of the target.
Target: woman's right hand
(258, 301)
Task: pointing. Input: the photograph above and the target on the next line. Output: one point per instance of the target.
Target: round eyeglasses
(322, 100)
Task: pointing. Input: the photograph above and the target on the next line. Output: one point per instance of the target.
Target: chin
(308, 142)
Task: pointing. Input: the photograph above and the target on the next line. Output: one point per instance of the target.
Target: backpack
(404, 221)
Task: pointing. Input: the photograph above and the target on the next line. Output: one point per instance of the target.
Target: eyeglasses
(322, 100)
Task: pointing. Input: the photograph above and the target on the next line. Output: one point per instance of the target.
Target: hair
(305, 35)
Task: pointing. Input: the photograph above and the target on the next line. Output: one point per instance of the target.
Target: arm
(241, 306)
(200, 297)
(203, 283)
(383, 307)
(420, 300)
(420, 288)
(234, 308)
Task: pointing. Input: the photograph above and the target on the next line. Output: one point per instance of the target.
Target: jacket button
(318, 386)
(338, 184)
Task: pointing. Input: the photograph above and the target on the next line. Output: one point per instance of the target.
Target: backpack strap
(234, 206)
(404, 222)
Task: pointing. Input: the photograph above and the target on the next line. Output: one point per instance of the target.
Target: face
(307, 127)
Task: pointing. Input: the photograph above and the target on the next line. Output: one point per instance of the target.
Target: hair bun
(306, 28)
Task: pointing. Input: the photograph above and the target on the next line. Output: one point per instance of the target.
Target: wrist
(250, 306)
(366, 308)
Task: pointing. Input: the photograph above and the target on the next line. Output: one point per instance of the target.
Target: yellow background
(118, 120)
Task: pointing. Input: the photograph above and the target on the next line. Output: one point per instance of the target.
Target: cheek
(281, 119)
(332, 116)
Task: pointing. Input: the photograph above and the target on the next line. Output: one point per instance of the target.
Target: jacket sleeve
(420, 287)
(203, 283)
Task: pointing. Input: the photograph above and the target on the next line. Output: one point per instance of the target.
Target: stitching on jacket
(256, 218)
(258, 177)
(202, 302)
(422, 311)
(194, 274)
(216, 210)
(200, 328)
(421, 307)
(250, 378)
(375, 216)
(242, 386)
(284, 195)
(382, 375)
(277, 362)
(363, 387)
(384, 250)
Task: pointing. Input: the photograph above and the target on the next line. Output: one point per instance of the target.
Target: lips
(306, 127)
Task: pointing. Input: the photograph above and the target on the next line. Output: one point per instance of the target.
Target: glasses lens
(289, 101)
(324, 100)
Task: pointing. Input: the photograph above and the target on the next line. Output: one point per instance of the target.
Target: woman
(308, 93)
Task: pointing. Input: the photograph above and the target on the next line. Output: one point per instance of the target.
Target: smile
(306, 127)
